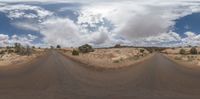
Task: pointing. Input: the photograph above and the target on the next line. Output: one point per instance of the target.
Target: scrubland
(188, 56)
(11, 57)
(110, 58)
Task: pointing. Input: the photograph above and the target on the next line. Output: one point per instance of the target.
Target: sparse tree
(17, 47)
(58, 46)
(28, 50)
(86, 48)
(193, 51)
(21, 50)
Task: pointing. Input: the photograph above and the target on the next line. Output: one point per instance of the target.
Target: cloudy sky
(101, 23)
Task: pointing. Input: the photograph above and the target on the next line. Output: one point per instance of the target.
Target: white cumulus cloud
(19, 11)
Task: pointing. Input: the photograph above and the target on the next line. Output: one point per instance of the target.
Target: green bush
(75, 52)
(86, 48)
(142, 50)
(182, 51)
(193, 51)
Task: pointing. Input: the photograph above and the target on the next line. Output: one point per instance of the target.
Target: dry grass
(110, 58)
(13, 58)
(188, 59)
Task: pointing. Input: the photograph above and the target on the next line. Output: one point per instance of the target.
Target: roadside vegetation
(188, 55)
(113, 57)
(18, 53)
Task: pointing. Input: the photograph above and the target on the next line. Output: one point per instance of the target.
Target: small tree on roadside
(21, 50)
(86, 48)
(182, 51)
(75, 52)
(17, 47)
(58, 46)
(193, 51)
(28, 50)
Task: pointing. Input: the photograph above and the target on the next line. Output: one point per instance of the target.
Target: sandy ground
(188, 60)
(13, 58)
(177, 50)
(110, 58)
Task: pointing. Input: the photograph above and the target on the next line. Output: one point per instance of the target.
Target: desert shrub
(28, 50)
(86, 48)
(75, 52)
(117, 46)
(117, 51)
(116, 61)
(177, 58)
(142, 50)
(18, 47)
(150, 50)
(193, 50)
(24, 51)
(2, 52)
(21, 50)
(191, 58)
(182, 51)
(9, 50)
(134, 58)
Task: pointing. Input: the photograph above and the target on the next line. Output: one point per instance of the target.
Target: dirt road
(56, 77)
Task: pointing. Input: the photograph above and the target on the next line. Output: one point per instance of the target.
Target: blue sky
(188, 23)
(100, 23)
